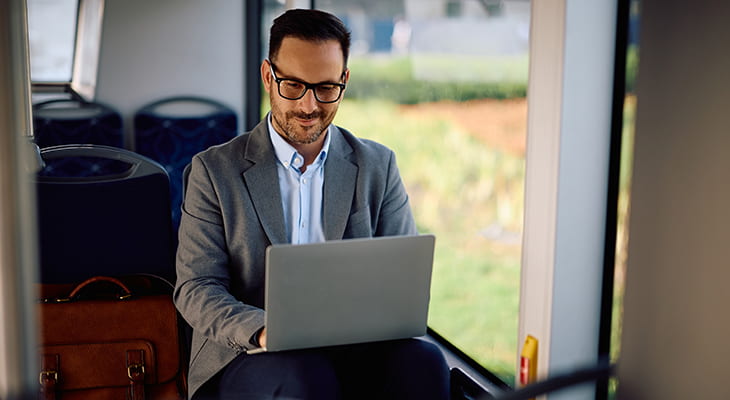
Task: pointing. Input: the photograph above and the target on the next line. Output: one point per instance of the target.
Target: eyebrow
(284, 76)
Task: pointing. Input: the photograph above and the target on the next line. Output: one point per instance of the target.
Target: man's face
(303, 121)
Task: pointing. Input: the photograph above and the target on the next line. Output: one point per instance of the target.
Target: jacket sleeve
(203, 287)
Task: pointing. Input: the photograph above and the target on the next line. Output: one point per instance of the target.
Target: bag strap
(136, 372)
(126, 293)
(49, 376)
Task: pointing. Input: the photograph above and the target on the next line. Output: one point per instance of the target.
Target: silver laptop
(347, 291)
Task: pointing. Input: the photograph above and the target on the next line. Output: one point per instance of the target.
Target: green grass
(437, 67)
(411, 80)
(465, 68)
(458, 187)
(456, 182)
(475, 303)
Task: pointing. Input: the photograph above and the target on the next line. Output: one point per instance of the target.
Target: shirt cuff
(254, 340)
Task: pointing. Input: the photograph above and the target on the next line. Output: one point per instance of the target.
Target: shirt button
(304, 181)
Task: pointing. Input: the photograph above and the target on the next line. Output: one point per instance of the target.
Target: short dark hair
(314, 25)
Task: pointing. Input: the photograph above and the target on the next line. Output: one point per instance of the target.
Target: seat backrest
(172, 130)
(69, 121)
(102, 211)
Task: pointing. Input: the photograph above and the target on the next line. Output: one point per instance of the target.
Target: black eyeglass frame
(307, 86)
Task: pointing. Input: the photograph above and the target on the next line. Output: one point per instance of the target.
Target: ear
(347, 75)
(266, 77)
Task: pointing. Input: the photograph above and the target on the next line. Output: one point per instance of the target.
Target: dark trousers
(400, 369)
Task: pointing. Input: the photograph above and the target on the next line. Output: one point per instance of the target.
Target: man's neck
(309, 151)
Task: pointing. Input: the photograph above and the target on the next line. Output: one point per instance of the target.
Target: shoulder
(224, 151)
(365, 149)
(237, 153)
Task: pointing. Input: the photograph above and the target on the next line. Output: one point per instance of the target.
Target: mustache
(314, 114)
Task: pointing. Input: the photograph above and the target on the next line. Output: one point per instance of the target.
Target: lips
(307, 121)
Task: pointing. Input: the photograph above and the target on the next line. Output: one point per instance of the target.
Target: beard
(296, 133)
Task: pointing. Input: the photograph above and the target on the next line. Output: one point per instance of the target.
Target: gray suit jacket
(232, 211)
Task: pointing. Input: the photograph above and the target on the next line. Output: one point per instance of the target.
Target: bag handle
(74, 295)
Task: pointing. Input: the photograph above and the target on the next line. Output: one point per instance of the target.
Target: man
(295, 178)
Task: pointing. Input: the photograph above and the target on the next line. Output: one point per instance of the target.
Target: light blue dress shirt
(301, 193)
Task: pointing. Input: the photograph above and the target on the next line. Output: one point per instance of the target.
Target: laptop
(347, 291)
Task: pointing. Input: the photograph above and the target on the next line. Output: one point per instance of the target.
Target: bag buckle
(134, 371)
(48, 376)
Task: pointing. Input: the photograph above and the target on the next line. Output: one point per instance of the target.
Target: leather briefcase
(111, 338)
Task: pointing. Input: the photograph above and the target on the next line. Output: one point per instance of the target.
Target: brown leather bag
(111, 338)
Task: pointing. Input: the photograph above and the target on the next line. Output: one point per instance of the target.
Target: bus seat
(172, 130)
(69, 121)
(102, 211)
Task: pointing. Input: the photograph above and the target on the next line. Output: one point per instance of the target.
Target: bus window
(623, 207)
(65, 40)
(51, 31)
(443, 84)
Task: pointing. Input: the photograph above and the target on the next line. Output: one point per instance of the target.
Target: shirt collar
(287, 155)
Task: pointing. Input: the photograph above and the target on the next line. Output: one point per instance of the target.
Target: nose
(308, 103)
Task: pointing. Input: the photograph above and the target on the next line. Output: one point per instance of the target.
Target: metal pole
(252, 85)
(18, 255)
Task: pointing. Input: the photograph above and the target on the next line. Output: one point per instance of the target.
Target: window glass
(443, 84)
(51, 31)
(271, 10)
(624, 199)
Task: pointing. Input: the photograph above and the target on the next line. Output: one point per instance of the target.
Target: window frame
(85, 60)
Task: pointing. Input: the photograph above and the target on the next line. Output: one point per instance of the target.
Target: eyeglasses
(293, 89)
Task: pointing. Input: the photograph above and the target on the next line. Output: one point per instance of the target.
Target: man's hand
(262, 338)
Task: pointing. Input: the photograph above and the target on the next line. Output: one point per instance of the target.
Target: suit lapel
(340, 178)
(262, 182)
